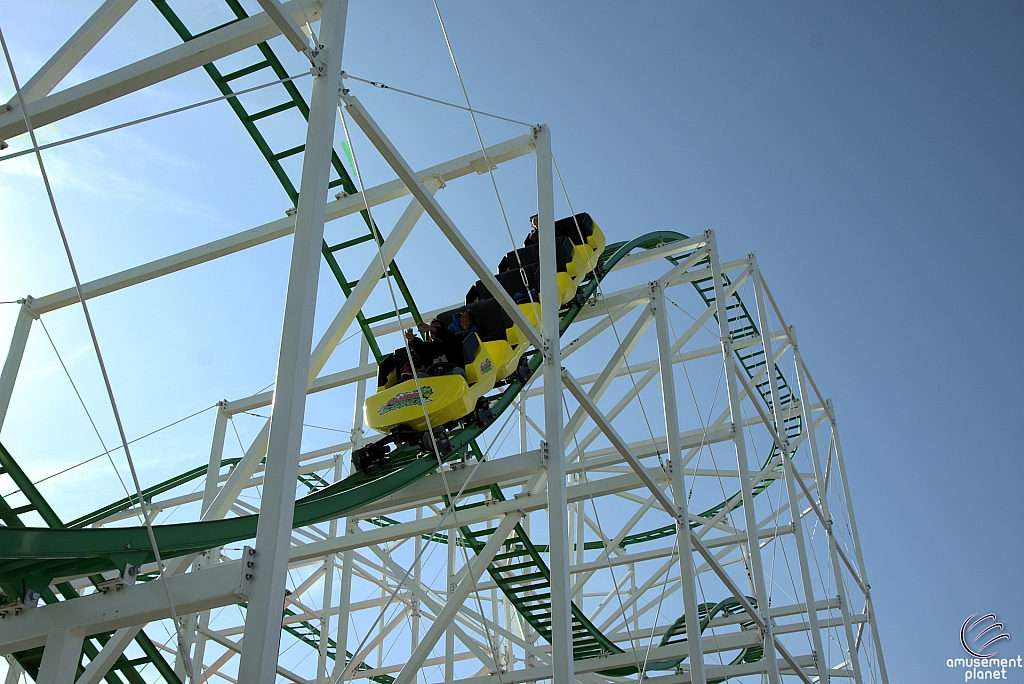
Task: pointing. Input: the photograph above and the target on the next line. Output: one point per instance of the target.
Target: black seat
(576, 228)
(518, 281)
(531, 255)
(489, 317)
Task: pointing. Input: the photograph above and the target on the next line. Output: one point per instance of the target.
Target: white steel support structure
(675, 454)
(558, 524)
(623, 570)
(789, 468)
(263, 623)
(12, 363)
(856, 543)
(756, 567)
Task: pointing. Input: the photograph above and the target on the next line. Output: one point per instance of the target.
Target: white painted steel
(273, 537)
(558, 530)
(71, 53)
(60, 657)
(288, 28)
(455, 599)
(622, 478)
(860, 576)
(406, 174)
(682, 514)
(791, 475)
(150, 70)
(132, 605)
(98, 666)
(450, 170)
(753, 548)
(9, 374)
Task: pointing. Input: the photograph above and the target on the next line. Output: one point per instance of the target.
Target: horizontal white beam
(345, 377)
(217, 586)
(434, 210)
(72, 52)
(455, 168)
(151, 70)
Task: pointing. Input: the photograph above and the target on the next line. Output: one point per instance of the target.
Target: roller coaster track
(33, 557)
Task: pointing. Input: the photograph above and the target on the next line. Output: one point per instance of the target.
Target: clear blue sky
(870, 155)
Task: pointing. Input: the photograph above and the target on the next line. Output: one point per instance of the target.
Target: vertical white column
(687, 571)
(416, 576)
(789, 468)
(856, 545)
(345, 597)
(529, 633)
(328, 595)
(14, 670)
(262, 638)
(197, 623)
(736, 418)
(61, 655)
(558, 531)
(344, 601)
(9, 374)
(449, 635)
(819, 478)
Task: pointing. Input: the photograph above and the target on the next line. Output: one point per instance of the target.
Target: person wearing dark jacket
(442, 346)
(463, 322)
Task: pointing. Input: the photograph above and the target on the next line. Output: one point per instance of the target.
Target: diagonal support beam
(274, 230)
(366, 284)
(105, 659)
(405, 172)
(284, 441)
(149, 71)
(9, 374)
(284, 22)
(71, 53)
(457, 598)
(623, 448)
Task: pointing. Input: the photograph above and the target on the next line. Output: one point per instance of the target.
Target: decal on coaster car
(400, 401)
(486, 366)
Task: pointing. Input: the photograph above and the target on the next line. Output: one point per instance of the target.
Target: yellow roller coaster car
(457, 368)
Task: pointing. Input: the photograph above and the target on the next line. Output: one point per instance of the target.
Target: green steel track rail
(32, 557)
(291, 99)
(123, 669)
(36, 555)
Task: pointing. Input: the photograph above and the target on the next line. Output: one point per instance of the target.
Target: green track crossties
(36, 555)
(30, 660)
(291, 99)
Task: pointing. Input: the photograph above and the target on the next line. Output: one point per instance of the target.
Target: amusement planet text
(984, 668)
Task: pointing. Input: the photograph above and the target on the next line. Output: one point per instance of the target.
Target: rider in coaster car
(463, 322)
(531, 238)
(406, 368)
(440, 346)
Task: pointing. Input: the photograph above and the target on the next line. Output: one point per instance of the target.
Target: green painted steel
(36, 555)
(31, 659)
(308, 633)
(268, 62)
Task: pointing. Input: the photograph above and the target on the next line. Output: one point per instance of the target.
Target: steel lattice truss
(673, 436)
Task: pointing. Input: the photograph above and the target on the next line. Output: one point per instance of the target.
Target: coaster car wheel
(524, 372)
(579, 300)
(483, 414)
(440, 438)
(371, 457)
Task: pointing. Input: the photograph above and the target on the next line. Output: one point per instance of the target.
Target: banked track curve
(32, 557)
